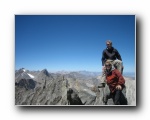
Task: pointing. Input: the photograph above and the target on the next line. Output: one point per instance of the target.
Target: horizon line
(69, 70)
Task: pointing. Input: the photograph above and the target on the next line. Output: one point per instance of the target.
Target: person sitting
(116, 84)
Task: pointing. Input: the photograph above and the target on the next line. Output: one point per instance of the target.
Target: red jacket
(114, 78)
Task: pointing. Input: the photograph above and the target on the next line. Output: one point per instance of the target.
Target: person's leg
(123, 98)
(118, 64)
(105, 98)
(106, 94)
(119, 98)
(116, 97)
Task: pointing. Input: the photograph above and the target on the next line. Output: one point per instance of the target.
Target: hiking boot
(105, 99)
(102, 85)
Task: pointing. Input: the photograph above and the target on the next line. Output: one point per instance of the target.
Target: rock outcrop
(73, 97)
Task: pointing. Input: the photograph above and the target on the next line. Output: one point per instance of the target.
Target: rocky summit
(67, 88)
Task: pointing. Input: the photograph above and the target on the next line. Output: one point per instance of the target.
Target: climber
(116, 84)
(110, 54)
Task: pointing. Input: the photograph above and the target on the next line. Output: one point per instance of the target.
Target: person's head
(109, 44)
(108, 65)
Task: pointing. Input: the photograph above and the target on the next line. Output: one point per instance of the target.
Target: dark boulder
(73, 98)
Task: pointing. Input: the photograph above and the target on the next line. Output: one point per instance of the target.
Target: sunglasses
(108, 65)
(107, 44)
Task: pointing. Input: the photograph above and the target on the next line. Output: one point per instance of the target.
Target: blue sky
(72, 42)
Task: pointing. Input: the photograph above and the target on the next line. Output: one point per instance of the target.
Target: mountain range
(63, 88)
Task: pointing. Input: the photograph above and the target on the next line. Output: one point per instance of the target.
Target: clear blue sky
(72, 42)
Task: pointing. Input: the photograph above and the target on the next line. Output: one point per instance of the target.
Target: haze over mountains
(45, 88)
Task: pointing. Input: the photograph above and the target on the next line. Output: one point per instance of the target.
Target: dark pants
(117, 96)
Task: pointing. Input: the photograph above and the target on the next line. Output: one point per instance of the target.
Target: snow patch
(30, 75)
(23, 70)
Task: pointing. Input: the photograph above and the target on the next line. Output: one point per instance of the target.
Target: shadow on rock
(73, 98)
(26, 83)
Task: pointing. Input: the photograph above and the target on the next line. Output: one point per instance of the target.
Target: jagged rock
(52, 94)
(53, 89)
(87, 97)
(22, 74)
(130, 91)
(73, 98)
(26, 83)
(43, 75)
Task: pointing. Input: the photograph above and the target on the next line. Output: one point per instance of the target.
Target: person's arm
(118, 56)
(121, 80)
(103, 58)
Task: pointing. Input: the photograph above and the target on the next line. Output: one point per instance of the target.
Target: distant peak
(22, 69)
(45, 72)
